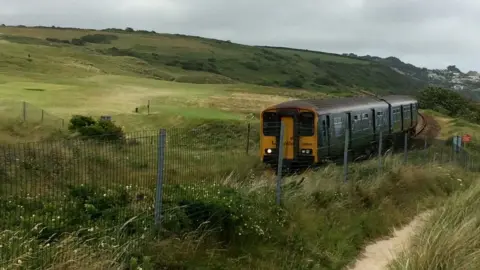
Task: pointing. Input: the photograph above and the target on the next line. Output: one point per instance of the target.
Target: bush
(56, 40)
(78, 42)
(99, 38)
(295, 82)
(324, 81)
(102, 129)
(448, 102)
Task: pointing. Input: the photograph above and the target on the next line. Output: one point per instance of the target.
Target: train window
(365, 116)
(270, 117)
(379, 118)
(396, 115)
(306, 122)
(324, 128)
(338, 126)
(271, 124)
(323, 133)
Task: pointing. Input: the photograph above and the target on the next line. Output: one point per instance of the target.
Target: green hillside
(190, 59)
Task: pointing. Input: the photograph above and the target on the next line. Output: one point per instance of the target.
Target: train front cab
(299, 141)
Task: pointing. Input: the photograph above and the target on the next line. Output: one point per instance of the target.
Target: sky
(426, 33)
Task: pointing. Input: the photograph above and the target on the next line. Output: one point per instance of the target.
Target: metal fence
(28, 113)
(52, 188)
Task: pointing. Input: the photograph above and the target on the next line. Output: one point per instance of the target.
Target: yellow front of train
(299, 136)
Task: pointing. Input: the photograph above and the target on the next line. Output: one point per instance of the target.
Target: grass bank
(450, 238)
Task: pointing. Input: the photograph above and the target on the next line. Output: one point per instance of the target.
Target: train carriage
(315, 129)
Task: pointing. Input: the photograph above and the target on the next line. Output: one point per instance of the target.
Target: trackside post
(380, 163)
(248, 137)
(280, 163)
(405, 148)
(345, 155)
(160, 174)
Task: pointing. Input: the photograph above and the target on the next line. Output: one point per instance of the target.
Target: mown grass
(70, 204)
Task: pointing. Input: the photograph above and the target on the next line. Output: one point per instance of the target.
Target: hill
(193, 59)
(168, 57)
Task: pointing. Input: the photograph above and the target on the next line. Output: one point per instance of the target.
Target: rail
(424, 123)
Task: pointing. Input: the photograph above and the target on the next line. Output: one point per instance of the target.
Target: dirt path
(377, 255)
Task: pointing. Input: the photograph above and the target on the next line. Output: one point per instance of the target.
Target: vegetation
(176, 54)
(102, 129)
(450, 103)
(322, 223)
(449, 239)
(71, 203)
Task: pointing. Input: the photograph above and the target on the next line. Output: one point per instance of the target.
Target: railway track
(424, 125)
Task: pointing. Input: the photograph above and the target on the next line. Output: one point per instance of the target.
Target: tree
(444, 101)
(453, 68)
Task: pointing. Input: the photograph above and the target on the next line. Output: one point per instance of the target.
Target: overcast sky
(429, 33)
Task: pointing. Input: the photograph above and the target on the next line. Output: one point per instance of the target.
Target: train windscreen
(306, 124)
(271, 124)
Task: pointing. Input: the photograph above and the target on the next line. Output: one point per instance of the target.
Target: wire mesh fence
(28, 113)
(178, 177)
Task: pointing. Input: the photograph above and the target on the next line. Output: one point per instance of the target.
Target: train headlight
(306, 151)
(269, 151)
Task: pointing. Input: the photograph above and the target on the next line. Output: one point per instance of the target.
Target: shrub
(56, 40)
(99, 38)
(78, 42)
(294, 82)
(448, 102)
(251, 65)
(78, 122)
(102, 129)
(324, 81)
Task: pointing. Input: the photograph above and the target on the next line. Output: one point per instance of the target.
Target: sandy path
(377, 255)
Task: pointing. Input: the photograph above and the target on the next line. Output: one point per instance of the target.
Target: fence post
(345, 155)
(160, 174)
(380, 142)
(248, 138)
(405, 148)
(280, 163)
(148, 107)
(24, 111)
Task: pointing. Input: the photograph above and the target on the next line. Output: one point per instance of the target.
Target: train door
(337, 141)
(373, 123)
(410, 113)
(323, 136)
(288, 137)
(401, 117)
(348, 126)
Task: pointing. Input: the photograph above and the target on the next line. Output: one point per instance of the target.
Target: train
(315, 130)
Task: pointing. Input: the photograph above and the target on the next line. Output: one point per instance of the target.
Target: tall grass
(450, 238)
(234, 224)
